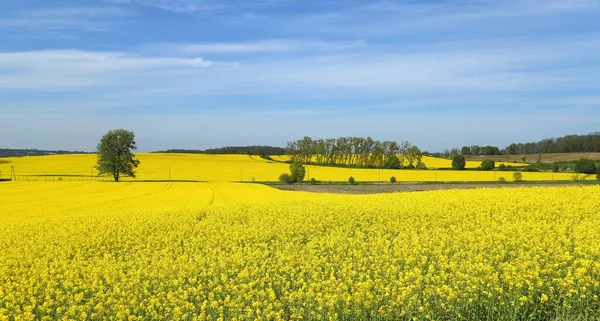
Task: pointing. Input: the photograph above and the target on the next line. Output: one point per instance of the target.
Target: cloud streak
(66, 18)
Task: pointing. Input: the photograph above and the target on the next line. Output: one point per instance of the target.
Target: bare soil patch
(404, 187)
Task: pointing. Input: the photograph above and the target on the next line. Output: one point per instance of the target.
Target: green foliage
(502, 167)
(598, 175)
(393, 179)
(488, 165)
(297, 172)
(351, 180)
(421, 165)
(585, 166)
(518, 176)
(393, 162)
(501, 179)
(459, 162)
(466, 150)
(313, 181)
(555, 168)
(286, 178)
(115, 154)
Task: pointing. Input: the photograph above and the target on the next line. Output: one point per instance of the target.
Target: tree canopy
(459, 162)
(354, 152)
(115, 154)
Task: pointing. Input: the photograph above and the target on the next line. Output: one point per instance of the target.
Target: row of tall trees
(355, 151)
(480, 150)
(566, 144)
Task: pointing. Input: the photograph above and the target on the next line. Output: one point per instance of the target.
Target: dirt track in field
(402, 187)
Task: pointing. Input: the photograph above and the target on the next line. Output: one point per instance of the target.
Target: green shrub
(488, 165)
(393, 179)
(392, 163)
(351, 180)
(286, 178)
(501, 179)
(502, 167)
(518, 176)
(313, 181)
(598, 175)
(585, 166)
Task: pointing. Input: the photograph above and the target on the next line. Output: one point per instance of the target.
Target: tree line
(355, 152)
(566, 144)
(8, 152)
(240, 150)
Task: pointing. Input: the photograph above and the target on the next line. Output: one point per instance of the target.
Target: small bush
(501, 179)
(286, 178)
(313, 181)
(487, 165)
(518, 176)
(598, 175)
(555, 168)
(585, 166)
(502, 167)
(351, 180)
(393, 179)
(421, 165)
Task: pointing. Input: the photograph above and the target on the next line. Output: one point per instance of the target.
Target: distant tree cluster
(355, 152)
(480, 150)
(238, 150)
(567, 144)
(7, 152)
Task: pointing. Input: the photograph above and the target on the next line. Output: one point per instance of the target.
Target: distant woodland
(244, 150)
(7, 152)
(567, 144)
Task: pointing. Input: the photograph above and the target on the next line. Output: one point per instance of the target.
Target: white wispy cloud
(229, 7)
(388, 18)
(368, 70)
(254, 47)
(65, 18)
(73, 69)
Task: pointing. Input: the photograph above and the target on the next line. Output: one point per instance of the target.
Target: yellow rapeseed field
(228, 251)
(236, 168)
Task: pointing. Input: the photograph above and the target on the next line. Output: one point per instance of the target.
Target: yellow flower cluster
(225, 251)
(236, 168)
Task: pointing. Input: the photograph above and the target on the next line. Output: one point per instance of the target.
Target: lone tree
(458, 162)
(297, 172)
(115, 154)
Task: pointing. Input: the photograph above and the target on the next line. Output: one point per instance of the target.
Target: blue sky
(208, 73)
